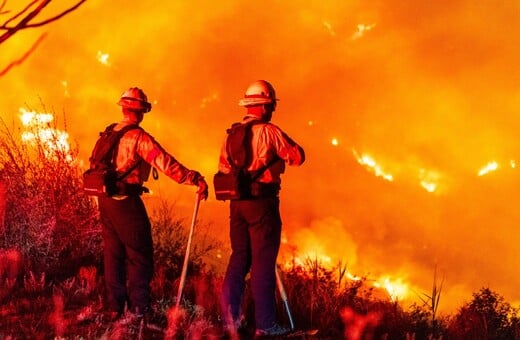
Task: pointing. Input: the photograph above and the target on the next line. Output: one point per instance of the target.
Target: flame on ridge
(371, 164)
(429, 180)
(396, 289)
(490, 167)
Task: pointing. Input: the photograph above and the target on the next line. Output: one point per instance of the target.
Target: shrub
(170, 236)
(47, 216)
(487, 316)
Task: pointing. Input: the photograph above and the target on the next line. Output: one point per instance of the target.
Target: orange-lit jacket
(137, 146)
(269, 141)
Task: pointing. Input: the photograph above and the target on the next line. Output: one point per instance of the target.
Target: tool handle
(283, 295)
(187, 254)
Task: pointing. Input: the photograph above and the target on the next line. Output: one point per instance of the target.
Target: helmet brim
(135, 105)
(256, 101)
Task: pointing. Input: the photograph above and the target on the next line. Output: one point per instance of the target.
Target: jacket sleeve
(284, 146)
(154, 154)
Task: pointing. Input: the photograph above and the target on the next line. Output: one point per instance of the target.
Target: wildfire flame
(396, 288)
(39, 130)
(361, 30)
(370, 163)
(103, 58)
(429, 180)
(300, 258)
(491, 166)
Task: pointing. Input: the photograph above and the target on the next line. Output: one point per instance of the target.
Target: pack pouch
(232, 186)
(240, 183)
(100, 182)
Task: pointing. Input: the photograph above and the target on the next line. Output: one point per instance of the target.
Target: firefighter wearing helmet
(135, 99)
(255, 222)
(259, 93)
(127, 238)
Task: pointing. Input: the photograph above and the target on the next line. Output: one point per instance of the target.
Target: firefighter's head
(134, 104)
(260, 99)
(134, 99)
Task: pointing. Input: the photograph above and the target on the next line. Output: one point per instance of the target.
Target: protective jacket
(268, 142)
(138, 147)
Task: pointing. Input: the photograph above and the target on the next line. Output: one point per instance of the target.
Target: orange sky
(429, 90)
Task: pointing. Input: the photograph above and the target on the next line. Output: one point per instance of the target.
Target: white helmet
(258, 93)
(135, 99)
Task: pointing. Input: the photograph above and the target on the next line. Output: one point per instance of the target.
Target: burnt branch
(25, 56)
(56, 17)
(19, 14)
(2, 5)
(10, 31)
(23, 20)
(26, 15)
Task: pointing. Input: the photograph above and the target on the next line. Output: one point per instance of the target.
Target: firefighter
(255, 222)
(127, 238)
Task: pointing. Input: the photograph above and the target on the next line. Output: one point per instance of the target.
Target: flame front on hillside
(311, 253)
(369, 162)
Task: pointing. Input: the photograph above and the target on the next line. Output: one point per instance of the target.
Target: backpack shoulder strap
(240, 149)
(121, 133)
(102, 150)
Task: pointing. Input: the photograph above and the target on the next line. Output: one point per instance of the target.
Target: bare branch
(62, 14)
(25, 56)
(2, 6)
(23, 23)
(4, 26)
(25, 16)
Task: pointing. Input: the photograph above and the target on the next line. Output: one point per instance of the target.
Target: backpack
(102, 179)
(240, 183)
(236, 184)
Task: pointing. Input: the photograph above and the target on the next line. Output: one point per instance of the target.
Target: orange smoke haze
(430, 91)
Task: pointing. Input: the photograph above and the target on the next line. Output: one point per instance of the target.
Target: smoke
(427, 89)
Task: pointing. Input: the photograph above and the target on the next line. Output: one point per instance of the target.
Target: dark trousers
(128, 253)
(255, 231)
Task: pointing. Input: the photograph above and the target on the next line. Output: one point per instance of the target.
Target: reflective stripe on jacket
(269, 141)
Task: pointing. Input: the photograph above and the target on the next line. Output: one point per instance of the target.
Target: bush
(487, 316)
(47, 217)
(170, 236)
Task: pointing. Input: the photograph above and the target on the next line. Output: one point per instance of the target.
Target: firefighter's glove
(197, 179)
(203, 188)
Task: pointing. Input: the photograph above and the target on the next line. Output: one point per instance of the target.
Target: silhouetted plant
(487, 316)
(47, 216)
(431, 301)
(170, 235)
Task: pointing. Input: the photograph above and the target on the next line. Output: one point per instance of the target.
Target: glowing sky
(430, 90)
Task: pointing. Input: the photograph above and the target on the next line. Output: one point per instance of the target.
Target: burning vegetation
(408, 112)
(50, 266)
